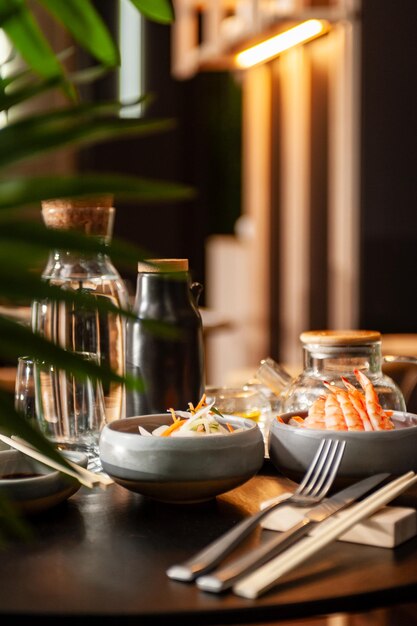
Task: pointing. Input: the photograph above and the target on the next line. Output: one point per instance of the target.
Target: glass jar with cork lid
(98, 334)
(331, 354)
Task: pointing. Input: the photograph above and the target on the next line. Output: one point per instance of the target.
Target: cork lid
(156, 266)
(105, 200)
(340, 337)
(92, 215)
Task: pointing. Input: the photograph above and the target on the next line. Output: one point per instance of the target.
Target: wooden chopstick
(96, 478)
(83, 475)
(265, 577)
(44, 459)
(103, 480)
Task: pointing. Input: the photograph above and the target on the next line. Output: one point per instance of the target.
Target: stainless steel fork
(313, 488)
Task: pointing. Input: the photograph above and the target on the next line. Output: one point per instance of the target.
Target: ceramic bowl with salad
(182, 456)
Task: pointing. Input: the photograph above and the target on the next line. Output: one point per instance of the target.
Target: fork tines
(322, 471)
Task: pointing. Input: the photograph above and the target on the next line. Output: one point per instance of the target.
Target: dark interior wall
(319, 209)
(388, 168)
(201, 150)
(161, 228)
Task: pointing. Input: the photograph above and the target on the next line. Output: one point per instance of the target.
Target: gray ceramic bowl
(32, 486)
(291, 449)
(179, 469)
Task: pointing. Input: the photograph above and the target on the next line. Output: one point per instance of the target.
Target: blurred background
(304, 167)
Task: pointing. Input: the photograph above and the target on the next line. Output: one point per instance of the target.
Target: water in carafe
(86, 330)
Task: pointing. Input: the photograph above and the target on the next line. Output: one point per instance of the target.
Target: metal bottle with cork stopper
(164, 346)
(89, 332)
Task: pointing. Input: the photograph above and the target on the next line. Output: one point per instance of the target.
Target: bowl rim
(48, 474)
(115, 427)
(315, 432)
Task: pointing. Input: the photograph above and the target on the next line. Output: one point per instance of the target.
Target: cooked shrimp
(358, 401)
(333, 414)
(352, 417)
(379, 419)
(315, 417)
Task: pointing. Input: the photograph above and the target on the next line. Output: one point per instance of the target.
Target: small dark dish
(31, 486)
(291, 449)
(179, 469)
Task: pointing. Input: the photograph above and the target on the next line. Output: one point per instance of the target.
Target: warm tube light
(275, 45)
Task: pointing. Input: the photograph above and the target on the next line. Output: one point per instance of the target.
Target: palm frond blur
(32, 69)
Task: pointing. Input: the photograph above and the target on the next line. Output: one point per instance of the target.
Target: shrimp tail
(378, 418)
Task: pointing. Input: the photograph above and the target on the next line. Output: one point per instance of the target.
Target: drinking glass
(68, 410)
(244, 401)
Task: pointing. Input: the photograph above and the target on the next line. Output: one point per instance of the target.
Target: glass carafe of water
(87, 331)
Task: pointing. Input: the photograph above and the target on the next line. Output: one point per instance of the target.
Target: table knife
(224, 577)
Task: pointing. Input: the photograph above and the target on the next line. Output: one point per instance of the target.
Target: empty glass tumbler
(67, 409)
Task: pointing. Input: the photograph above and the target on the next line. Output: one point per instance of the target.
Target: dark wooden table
(103, 554)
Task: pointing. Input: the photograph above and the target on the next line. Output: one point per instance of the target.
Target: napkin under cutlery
(268, 575)
(388, 527)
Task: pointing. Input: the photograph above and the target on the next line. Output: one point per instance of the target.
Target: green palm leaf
(81, 19)
(22, 86)
(36, 289)
(13, 424)
(17, 192)
(24, 33)
(158, 10)
(73, 126)
(11, 522)
(18, 340)
(23, 94)
(25, 244)
(8, 10)
(34, 241)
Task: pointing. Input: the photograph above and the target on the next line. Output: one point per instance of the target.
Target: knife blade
(224, 577)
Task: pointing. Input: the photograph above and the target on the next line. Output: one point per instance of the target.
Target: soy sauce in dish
(20, 475)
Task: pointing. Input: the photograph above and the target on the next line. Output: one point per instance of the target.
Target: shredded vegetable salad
(196, 422)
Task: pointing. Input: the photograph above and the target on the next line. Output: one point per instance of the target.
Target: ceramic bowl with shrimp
(291, 448)
(180, 469)
(378, 440)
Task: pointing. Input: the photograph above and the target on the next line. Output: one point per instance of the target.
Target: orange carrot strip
(173, 427)
(279, 418)
(230, 427)
(201, 403)
(174, 417)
